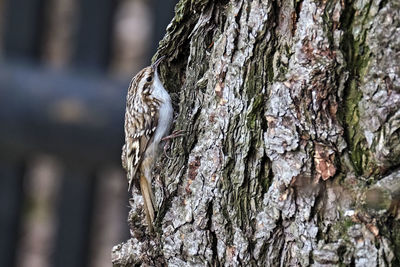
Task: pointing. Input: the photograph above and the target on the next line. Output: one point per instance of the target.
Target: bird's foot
(167, 139)
(175, 134)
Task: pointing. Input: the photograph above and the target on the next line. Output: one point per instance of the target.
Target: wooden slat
(23, 28)
(109, 225)
(11, 196)
(74, 219)
(36, 242)
(77, 118)
(94, 34)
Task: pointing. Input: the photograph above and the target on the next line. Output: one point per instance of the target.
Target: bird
(148, 119)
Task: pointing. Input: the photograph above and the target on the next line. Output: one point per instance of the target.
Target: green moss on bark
(357, 56)
(340, 228)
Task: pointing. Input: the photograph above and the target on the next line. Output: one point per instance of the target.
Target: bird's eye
(149, 79)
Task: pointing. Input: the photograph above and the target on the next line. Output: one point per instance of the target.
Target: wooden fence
(74, 114)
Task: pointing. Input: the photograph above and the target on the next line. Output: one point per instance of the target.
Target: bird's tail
(148, 199)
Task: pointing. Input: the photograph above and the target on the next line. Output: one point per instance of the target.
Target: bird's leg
(167, 139)
(177, 133)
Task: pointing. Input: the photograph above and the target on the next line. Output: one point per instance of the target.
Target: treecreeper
(148, 120)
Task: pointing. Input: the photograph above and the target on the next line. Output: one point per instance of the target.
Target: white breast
(165, 111)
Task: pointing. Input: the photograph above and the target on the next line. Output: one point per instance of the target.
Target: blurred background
(65, 66)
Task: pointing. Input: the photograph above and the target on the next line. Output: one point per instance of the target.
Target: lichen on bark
(291, 115)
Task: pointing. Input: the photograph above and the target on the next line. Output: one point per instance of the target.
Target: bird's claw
(175, 134)
(166, 147)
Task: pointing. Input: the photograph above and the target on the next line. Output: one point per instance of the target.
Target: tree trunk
(292, 152)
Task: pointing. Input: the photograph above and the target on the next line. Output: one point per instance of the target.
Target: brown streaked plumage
(148, 119)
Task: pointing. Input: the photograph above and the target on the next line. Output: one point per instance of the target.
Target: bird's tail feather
(148, 199)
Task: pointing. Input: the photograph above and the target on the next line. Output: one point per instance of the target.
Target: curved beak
(155, 64)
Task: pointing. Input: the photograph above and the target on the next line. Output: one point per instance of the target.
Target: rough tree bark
(292, 150)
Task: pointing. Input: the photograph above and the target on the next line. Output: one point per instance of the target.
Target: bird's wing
(137, 138)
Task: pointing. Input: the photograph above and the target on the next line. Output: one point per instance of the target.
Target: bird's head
(148, 77)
